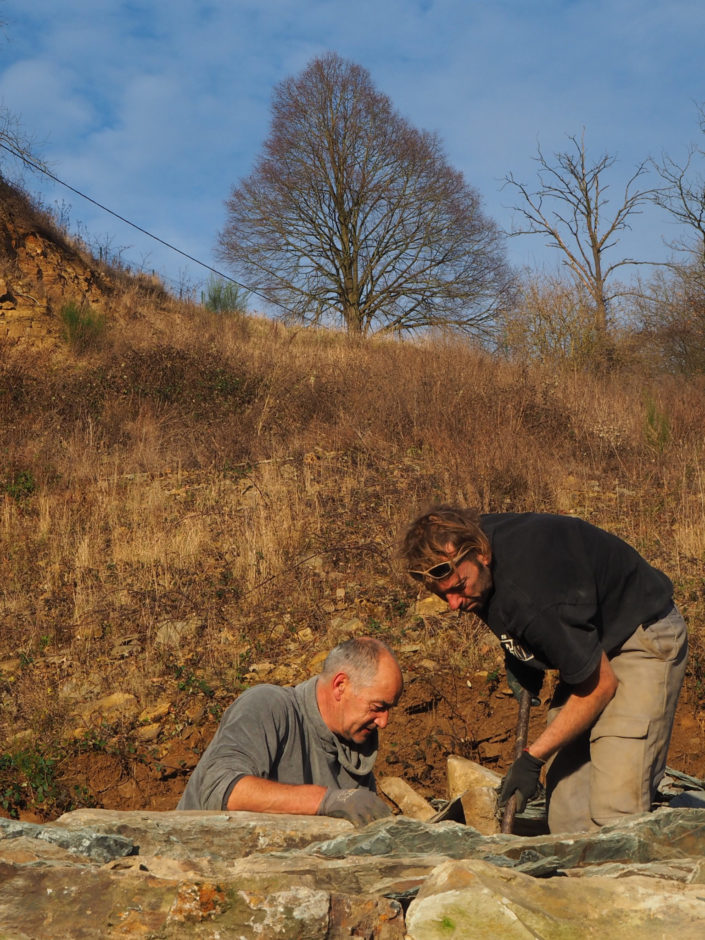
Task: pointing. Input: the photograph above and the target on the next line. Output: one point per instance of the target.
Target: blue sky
(156, 108)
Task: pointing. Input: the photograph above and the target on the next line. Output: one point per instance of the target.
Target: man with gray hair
(309, 749)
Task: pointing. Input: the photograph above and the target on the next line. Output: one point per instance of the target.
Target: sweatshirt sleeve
(248, 742)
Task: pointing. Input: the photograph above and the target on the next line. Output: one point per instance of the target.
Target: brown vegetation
(195, 502)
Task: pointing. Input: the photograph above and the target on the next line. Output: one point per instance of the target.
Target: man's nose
(454, 601)
(382, 719)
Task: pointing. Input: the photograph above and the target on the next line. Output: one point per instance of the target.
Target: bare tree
(353, 216)
(684, 193)
(569, 208)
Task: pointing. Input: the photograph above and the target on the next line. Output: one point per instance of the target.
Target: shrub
(83, 327)
(20, 485)
(224, 297)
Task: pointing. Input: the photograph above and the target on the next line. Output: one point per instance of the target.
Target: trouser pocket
(621, 776)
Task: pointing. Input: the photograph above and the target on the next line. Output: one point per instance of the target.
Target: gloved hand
(359, 806)
(522, 778)
(520, 676)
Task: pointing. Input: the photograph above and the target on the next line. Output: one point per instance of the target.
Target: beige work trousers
(613, 770)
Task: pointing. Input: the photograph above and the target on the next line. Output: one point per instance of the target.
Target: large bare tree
(353, 216)
(569, 207)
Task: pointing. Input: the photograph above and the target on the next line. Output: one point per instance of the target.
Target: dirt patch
(440, 714)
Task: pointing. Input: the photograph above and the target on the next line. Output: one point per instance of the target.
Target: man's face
(468, 587)
(364, 708)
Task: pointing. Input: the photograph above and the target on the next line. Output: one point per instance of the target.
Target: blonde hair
(428, 538)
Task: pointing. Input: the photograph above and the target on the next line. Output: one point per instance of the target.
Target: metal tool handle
(521, 739)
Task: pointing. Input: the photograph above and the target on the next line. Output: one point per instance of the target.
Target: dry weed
(257, 477)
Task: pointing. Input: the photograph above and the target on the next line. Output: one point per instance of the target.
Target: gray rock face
(80, 841)
(98, 873)
(476, 899)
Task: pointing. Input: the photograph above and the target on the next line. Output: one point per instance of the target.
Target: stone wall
(101, 873)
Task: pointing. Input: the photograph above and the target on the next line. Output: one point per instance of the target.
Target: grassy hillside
(192, 501)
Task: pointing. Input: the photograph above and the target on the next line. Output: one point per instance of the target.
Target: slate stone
(474, 899)
(248, 875)
(97, 845)
(667, 833)
(216, 835)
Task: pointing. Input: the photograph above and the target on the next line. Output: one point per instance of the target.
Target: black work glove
(522, 778)
(359, 806)
(520, 676)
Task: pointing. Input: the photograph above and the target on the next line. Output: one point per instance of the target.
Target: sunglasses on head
(442, 570)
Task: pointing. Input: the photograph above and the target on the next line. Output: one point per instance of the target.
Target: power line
(41, 169)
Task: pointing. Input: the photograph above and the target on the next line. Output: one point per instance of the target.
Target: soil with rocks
(440, 714)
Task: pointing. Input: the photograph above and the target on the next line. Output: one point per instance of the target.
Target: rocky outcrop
(100, 873)
(40, 268)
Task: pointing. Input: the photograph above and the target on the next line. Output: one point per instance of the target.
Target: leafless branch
(351, 215)
(570, 209)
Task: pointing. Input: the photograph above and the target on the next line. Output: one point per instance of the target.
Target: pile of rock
(102, 873)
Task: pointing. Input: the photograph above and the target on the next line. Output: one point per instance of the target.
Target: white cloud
(157, 108)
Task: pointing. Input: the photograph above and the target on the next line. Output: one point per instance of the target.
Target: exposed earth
(440, 714)
(138, 754)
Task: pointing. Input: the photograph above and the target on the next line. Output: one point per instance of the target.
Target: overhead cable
(41, 169)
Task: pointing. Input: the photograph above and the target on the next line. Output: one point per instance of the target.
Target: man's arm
(359, 806)
(257, 795)
(585, 703)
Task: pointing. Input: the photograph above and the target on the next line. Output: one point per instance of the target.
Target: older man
(560, 593)
(309, 749)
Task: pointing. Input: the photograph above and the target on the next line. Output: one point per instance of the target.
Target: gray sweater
(277, 733)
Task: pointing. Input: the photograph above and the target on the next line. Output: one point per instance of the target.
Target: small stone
(155, 712)
(111, 707)
(431, 605)
(148, 732)
(10, 667)
(172, 632)
(405, 797)
(315, 664)
(464, 774)
(430, 665)
(20, 740)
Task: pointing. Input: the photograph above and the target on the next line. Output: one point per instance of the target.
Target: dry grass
(256, 478)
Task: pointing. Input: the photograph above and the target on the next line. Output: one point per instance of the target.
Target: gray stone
(474, 899)
(245, 875)
(667, 833)
(199, 833)
(79, 841)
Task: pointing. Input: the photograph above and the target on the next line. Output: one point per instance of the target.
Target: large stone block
(479, 900)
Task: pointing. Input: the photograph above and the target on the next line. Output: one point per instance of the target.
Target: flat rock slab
(478, 900)
(73, 902)
(220, 836)
(653, 837)
(107, 874)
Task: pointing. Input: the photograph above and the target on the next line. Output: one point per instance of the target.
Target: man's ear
(485, 559)
(339, 684)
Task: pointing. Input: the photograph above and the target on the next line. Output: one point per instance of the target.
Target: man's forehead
(387, 684)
